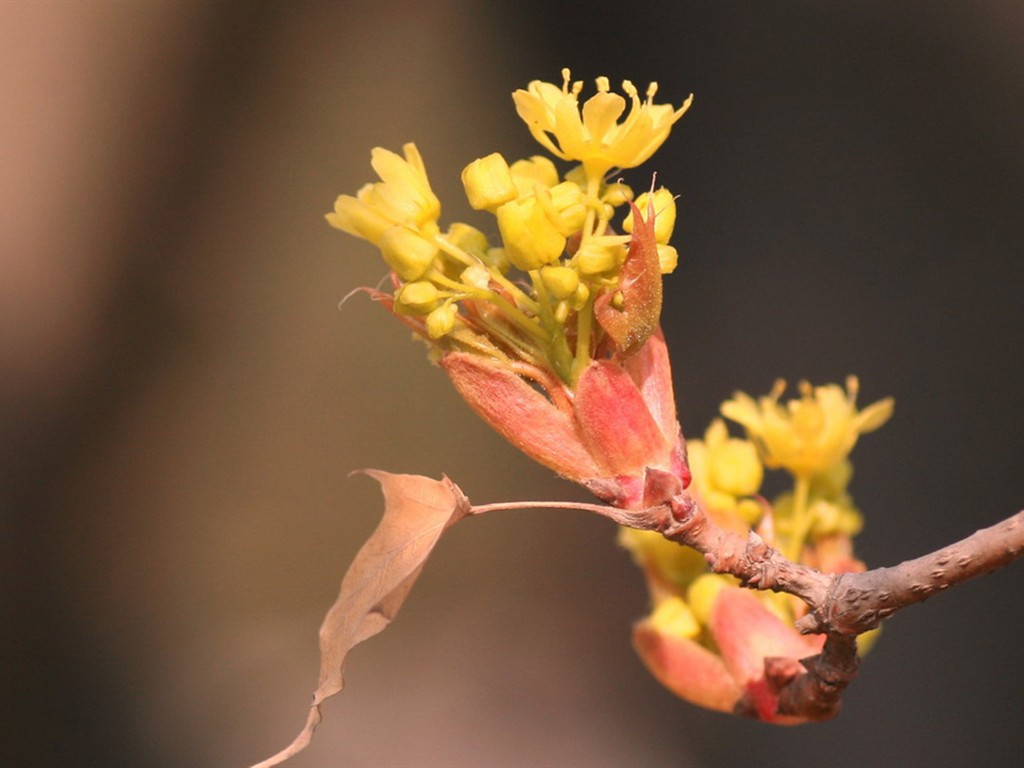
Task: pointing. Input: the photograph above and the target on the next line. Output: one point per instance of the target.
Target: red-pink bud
(618, 422)
(746, 635)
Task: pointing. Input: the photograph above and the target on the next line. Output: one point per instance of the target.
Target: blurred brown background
(181, 399)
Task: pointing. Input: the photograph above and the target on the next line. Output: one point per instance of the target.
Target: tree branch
(842, 606)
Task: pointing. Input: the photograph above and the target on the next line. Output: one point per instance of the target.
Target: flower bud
(674, 618)
(563, 204)
(470, 239)
(664, 214)
(595, 257)
(441, 321)
(497, 259)
(617, 194)
(407, 252)
(531, 241)
(418, 297)
(702, 593)
(488, 182)
(735, 467)
(561, 282)
(668, 259)
(528, 174)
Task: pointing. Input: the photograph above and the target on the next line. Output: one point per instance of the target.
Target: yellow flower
(664, 203)
(809, 434)
(418, 298)
(593, 135)
(726, 472)
(407, 252)
(599, 255)
(561, 282)
(488, 182)
(527, 174)
(402, 197)
(531, 240)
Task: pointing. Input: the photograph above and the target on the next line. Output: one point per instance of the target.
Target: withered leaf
(417, 510)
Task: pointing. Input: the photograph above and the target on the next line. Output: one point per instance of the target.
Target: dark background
(181, 400)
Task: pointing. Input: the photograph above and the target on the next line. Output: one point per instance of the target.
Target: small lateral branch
(842, 606)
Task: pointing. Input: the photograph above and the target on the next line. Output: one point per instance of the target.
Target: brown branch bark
(842, 606)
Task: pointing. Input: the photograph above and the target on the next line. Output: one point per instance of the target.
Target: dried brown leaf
(417, 510)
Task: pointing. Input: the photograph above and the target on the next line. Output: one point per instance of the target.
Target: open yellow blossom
(593, 135)
(809, 434)
(402, 197)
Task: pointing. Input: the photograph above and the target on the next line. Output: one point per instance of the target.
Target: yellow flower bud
(677, 564)
(531, 241)
(470, 239)
(594, 257)
(835, 517)
(702, 593)
(528, 174)
(497, 259)
(488, 182)
(750, 510)
(441, 321)
(561, 282)
(419, 297)
(664, 214)
(674, 618)
(407, 252)
(736, 468)
(617, 194)
(564, 207)
(579, 298)
(668, 259)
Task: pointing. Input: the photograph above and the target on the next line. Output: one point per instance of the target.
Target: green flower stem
(584, 328)
(521, 299)
(558, 346)
(509, 310)
(802, 519)
(585, 315)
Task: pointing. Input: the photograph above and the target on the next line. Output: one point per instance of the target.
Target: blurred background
(181, 399)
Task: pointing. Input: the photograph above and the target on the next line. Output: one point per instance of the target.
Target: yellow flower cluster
(532, 297)
(809, 434)
(811, 438)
